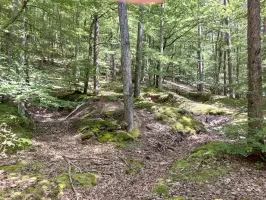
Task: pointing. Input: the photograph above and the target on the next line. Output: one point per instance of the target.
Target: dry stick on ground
(70, 178)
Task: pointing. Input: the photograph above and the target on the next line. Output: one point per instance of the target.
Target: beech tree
(126, 66)
(255, 101)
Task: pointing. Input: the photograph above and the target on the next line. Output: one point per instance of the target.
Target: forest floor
(159, 164)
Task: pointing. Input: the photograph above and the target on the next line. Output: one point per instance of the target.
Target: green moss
(178, 120)
(134, 166)
(14, 168)
(118, 136)
(178, 198)
(161, 189)
(97, 125)
(203, 109)
(19, 124)
(182, 164)
(86, 180)
(144, 104)
(200, 166)
(227, 102)
(210, 150)
(106, 131)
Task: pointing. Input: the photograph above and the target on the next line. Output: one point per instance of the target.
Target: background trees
(200, 43)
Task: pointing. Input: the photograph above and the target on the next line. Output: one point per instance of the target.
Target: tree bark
(200, 61)
(229, 57)
(113, 59)
(96, 84)
(139, 54)
(160, 65)
(255, 101)
(89, 64)
(23, 55)
(126, 66)
(225, 74)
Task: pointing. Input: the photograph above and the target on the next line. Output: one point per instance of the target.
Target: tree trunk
(255, 100)
(89, 64)
(229, 57)
(23, 55)
(200, 60)
(160, 65)
(126, 66)
(139, 54)
(96, 84)
(225, 86)
(113, 59)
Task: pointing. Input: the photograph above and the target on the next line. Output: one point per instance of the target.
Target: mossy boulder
(178, 119)
(201, 165)
(20, 125)
(203, 109)
(134, 166)
(106, 131)
(227, 102)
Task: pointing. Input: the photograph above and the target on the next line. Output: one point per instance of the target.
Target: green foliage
(260, 165)
(9, 142)
(41, 96)
(20, 125)
(161, 190)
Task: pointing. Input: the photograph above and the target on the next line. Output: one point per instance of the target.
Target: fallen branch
(70, 177)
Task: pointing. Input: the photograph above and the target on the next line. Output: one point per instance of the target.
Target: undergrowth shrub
(9, 142)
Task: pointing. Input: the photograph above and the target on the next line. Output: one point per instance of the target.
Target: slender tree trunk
(237, 69)
(255, 100)
(225, 74)
(160, 65)
(76, 69)
(200, 61)
(23, 55)
(126, 66)
(229, 57)
(113, 60)
(139, 54)
(96, 85)
(89, 64)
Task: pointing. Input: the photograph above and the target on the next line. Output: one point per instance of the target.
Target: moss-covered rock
(227, 102)
(134, 166)
(178, 120)
(203, 109)
(106, 131)
(200, 166)
(143, 104)
(19, 124)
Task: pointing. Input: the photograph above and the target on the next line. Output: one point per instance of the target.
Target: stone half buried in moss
(201, 165)
(105, 131)
(134, 166)
(117, 136)
(19, 124)
(178, 120)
